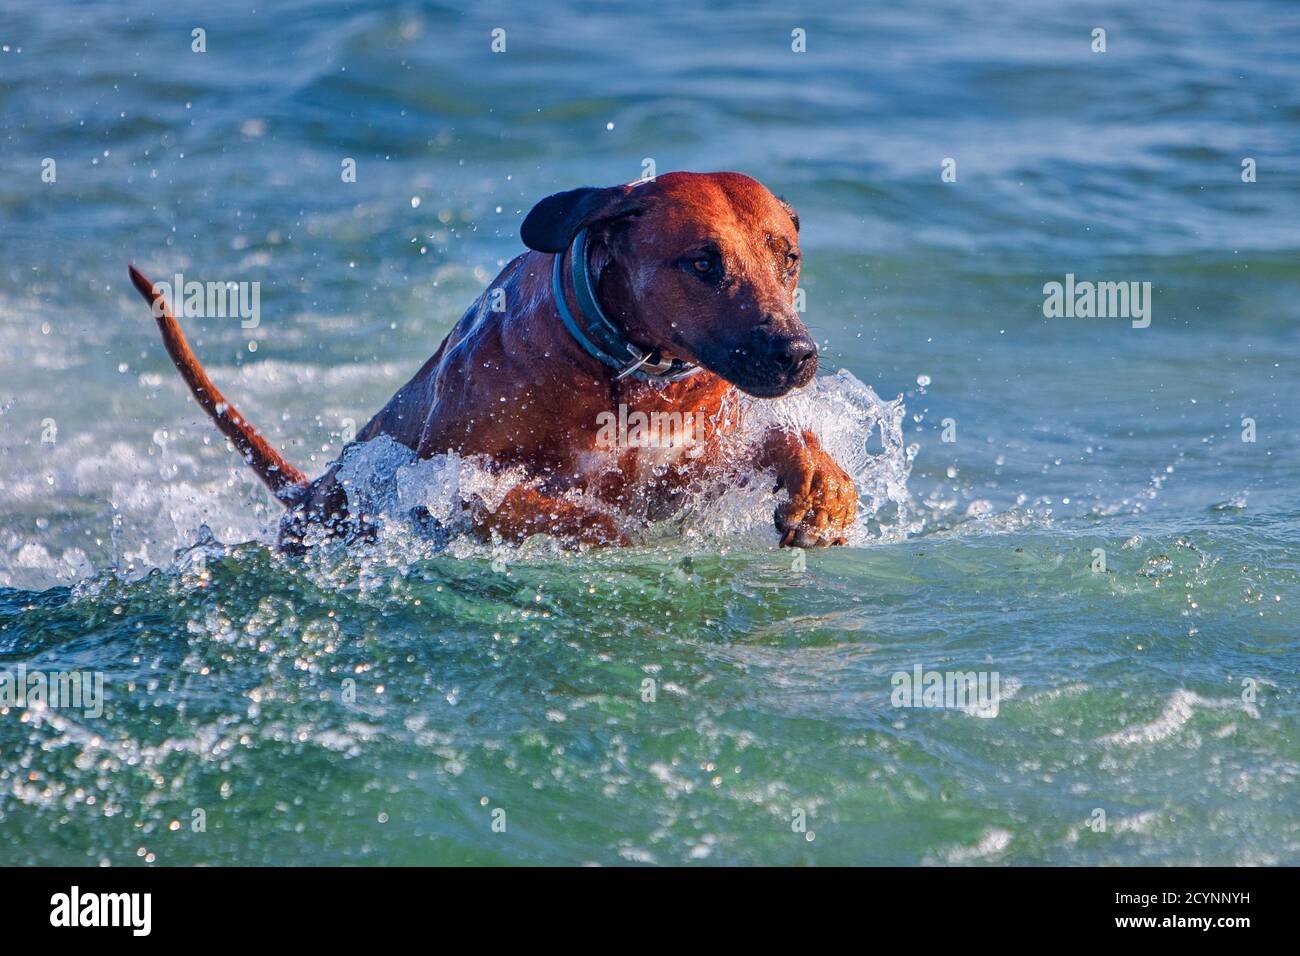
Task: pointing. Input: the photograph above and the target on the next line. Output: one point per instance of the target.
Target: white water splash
(137, 506)
(387, 482)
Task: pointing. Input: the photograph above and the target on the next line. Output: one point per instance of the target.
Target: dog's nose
(793, 354)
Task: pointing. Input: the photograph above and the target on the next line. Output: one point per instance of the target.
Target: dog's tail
(285, 481)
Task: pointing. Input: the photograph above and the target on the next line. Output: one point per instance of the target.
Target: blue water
(1161, 692)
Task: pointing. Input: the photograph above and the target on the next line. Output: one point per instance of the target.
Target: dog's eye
(791, 260)
(704, 265)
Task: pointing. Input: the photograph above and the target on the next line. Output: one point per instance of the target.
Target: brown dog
(657, 297)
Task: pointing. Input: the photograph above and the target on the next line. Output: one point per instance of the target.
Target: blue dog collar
(602, 339)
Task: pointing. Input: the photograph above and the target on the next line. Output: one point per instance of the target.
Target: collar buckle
(609, 341)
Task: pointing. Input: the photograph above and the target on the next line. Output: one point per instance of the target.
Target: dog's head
(701, 266)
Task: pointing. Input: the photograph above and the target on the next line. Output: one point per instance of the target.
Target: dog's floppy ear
(554, 221)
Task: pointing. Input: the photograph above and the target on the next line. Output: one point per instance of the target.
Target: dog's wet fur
(700, 267)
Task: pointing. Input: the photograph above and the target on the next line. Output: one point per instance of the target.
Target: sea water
(1099, 520)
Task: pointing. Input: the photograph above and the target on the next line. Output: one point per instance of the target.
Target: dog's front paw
(823, 499)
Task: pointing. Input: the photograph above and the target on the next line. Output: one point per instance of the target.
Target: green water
(523, 690)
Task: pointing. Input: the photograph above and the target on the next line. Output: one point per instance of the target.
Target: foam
(1177, 713)
(385, 481)
(137, 504)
